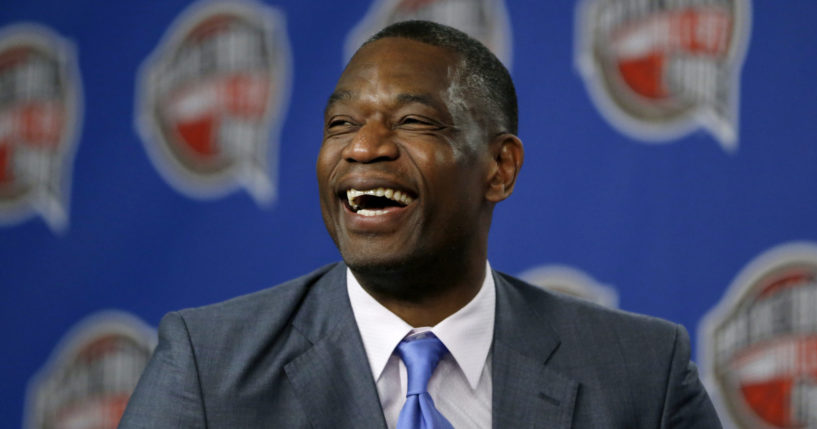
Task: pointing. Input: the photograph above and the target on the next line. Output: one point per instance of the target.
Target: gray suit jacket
(291, 356)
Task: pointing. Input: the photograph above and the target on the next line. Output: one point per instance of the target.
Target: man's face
(403, 167)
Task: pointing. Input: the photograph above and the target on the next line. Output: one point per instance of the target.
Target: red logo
(484, 20)
(91, 375)
(761, 341)
(211, 99)
(658, 70)
(39, 114)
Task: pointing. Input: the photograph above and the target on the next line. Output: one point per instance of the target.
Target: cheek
(441, 159)
(452, 180)
(327, 159)
(324, 167)
(431, 156)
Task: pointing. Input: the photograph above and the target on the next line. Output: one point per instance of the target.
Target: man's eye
(411, 120)
(340, 123)
(415, 123)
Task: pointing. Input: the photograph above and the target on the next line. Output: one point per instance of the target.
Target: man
(419, 145)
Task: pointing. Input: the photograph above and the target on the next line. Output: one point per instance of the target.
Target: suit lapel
(526, 392)
(333, 382)
(332, 378)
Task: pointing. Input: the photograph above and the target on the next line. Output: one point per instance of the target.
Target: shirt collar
(467, 333)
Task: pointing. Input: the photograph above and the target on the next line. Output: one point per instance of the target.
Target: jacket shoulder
(581, 318)
(633, 369)
(213, 363)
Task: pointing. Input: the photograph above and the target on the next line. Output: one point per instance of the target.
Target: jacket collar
(332, 378)
(526, 392)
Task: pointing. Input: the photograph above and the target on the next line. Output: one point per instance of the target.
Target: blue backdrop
(665, 222)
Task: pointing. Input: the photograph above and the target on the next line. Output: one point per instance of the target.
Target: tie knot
(421, 356)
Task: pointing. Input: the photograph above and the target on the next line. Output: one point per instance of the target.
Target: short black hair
(481, 72)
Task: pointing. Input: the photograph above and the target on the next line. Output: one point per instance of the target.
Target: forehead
(393, 66)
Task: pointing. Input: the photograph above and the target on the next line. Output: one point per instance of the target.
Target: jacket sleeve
(686, 403)
(168, 394)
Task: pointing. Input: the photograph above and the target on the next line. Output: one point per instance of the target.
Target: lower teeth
(367, 212)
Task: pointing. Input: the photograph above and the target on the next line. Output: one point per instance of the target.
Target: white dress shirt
(461, 384)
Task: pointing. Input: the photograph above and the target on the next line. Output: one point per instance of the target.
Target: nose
(372, 142)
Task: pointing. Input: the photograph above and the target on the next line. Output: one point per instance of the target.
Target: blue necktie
(421, 357)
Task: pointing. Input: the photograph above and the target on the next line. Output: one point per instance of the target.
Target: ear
(507, 153)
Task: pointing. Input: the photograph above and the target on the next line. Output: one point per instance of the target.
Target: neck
(424, 294)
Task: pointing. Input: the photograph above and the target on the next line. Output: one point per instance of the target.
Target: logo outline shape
(51, 200)
(723, 126)
(258, 174)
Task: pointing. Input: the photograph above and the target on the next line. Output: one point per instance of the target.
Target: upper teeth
(392, 194)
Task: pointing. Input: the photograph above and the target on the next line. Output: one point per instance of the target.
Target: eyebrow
(417, 98)
(335, 97)
(443, 115)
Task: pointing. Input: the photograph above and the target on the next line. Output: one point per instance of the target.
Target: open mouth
(373, 202)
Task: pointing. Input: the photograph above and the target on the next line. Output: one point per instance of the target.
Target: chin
(373, 255)
(373, 264)
(381, 278)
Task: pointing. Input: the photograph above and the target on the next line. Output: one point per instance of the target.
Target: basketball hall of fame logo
(760, 342)
(40, 110)
(211, 98)
(91, 374)
(571, 281)
(659, 69)
(484, 20)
